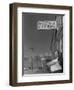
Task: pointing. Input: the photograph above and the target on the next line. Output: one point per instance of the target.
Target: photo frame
(40, 44)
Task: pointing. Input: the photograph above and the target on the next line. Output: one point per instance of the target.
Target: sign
(46, 25)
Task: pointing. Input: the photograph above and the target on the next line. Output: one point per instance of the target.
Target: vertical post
(32, 49)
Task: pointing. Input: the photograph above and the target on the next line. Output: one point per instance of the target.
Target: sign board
(46, 25)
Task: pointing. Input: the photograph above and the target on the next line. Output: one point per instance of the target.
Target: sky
(39, 40)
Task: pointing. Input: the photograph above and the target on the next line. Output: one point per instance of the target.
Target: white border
(47, 77)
